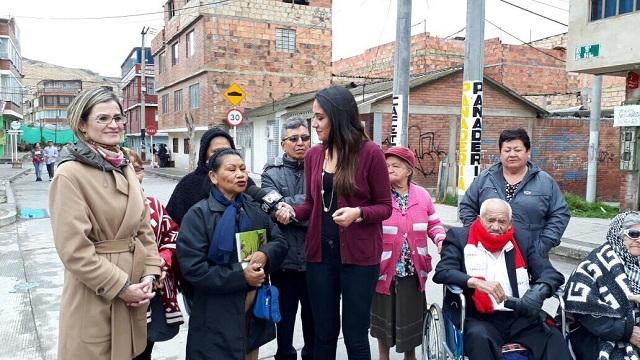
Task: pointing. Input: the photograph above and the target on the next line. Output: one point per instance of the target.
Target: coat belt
(116, 246)
(132, 245)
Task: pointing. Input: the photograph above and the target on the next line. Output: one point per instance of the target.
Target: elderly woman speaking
(598, 292)
(398, 305)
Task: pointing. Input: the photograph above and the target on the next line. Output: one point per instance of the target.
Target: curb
(254, 176)
(164, 175)
(9, 209)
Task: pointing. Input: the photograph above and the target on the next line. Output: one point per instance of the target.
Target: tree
(191, 132)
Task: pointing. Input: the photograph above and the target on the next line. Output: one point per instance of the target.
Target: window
(174, 53)
(50, 100)
(151, 86)
(286, 40)
(177, 100)
(194, 96)
(186, 146)
(190, 45)
(171, 9)
(601, 9)
(165, 103)
(64, 100)
(174, 148)
(161, 63)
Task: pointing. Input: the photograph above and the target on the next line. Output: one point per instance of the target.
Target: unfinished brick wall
(235, 43)
(541, 78)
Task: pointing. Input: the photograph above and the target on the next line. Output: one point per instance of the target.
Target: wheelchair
(442, 331)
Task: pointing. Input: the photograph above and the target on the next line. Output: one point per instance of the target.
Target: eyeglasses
(138, 169)
(106, 120)
(295, 138)
(632, 233)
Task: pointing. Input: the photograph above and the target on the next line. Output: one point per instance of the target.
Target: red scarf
(493, 243)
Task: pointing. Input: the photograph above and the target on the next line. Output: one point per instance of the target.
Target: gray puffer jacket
(540, 211)
(286, 176)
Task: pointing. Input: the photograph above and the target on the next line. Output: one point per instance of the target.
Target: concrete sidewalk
(581, 236)
(8, 211)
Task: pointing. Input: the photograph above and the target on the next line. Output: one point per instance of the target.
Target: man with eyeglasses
(286, 176)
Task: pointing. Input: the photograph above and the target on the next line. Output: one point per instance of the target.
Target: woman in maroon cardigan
(347, 198)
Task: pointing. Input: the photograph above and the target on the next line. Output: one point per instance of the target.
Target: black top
(330, 232)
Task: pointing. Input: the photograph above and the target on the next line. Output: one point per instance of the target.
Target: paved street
(31, 282)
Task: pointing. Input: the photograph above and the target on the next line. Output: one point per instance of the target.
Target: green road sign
(588, 51)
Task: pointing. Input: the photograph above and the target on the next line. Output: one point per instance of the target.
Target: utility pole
(471, 109)
(143, 91)
(594, 138)
(402, 58)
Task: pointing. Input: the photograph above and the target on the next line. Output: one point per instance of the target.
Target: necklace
(325, 208)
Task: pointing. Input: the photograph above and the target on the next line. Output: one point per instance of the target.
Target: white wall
(619, 46)
(260, 144)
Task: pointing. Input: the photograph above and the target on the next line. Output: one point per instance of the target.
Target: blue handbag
(266, 306)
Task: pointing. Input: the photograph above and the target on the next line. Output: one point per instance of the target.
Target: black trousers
(484, 337)
(293, 290)
(327, 281)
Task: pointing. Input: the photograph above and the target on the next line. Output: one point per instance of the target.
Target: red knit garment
(493, 243)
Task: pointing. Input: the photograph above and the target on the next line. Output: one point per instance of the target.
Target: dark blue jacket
(217, 327)
(540, 211)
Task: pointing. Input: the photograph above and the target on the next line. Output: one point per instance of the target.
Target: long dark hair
(346, 135)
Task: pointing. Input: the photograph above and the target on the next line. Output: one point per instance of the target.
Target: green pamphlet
(248, 242)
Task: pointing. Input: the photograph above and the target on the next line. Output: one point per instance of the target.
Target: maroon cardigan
(360, 243)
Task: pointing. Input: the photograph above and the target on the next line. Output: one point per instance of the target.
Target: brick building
(131, 89)
(559, 145)
(51, 100)
(536, 71)
(270, 48)
(11, 89)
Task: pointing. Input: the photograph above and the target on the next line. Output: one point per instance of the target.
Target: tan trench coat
(88, 206)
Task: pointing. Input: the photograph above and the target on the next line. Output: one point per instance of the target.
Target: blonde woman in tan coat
(103, 236)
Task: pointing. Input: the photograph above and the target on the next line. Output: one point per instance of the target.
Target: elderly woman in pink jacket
(398, 306)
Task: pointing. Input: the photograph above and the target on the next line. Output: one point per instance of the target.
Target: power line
(534, 13)
(523, 42)
(375, 58)
(549, 5)
(119, 16)
(456, 33)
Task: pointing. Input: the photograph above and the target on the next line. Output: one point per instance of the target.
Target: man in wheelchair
(490, 265)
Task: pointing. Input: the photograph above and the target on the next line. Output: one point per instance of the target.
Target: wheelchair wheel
(433, 335)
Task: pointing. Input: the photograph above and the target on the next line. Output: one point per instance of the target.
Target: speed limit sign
(234, 117)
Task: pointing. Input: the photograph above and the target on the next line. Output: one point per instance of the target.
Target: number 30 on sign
(234, 117)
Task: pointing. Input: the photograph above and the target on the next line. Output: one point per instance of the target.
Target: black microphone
(268, 200)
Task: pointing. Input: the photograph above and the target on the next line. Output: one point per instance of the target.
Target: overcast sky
(101, 45)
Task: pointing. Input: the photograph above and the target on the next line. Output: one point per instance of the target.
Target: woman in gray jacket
(540, 211)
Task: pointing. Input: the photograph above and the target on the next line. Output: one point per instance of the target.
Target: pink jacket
(420, 222)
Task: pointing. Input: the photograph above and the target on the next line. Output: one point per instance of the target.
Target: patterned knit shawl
(631, 263)
(599, 287)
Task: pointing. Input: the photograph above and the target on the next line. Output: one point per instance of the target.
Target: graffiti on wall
(428, 152)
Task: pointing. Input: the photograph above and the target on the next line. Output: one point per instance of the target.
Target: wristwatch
(361, 215)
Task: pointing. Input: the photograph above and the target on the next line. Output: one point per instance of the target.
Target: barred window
(177, 100)
(190, 44)
(286, 40)
(194, 96)
(601, 9)
(165, 103)
(174, 147)
(174, 54)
